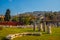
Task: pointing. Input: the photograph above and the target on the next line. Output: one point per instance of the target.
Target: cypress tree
(7, 15)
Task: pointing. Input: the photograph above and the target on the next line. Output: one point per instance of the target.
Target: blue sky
(20, 6)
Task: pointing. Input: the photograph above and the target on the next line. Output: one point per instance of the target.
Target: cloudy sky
(20, 6)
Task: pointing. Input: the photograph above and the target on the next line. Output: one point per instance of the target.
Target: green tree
(21, 19)
(15, 18)
(25, 19)
(7, 15)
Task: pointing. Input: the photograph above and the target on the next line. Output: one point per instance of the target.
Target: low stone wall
(12, 36)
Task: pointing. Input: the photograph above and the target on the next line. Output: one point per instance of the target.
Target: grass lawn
(54, 36)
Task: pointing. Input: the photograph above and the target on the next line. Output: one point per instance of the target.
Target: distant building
(2, 17)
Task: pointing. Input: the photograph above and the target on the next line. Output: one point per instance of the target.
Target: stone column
(44, 26)
(39, 27)
(49, 28)
(55, 24)
(34, 25)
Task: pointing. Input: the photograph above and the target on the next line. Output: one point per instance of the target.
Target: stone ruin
(42, 25)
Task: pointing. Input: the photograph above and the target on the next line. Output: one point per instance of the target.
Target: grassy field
(54, 36)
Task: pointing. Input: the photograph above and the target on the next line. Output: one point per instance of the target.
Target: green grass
(54, 36)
